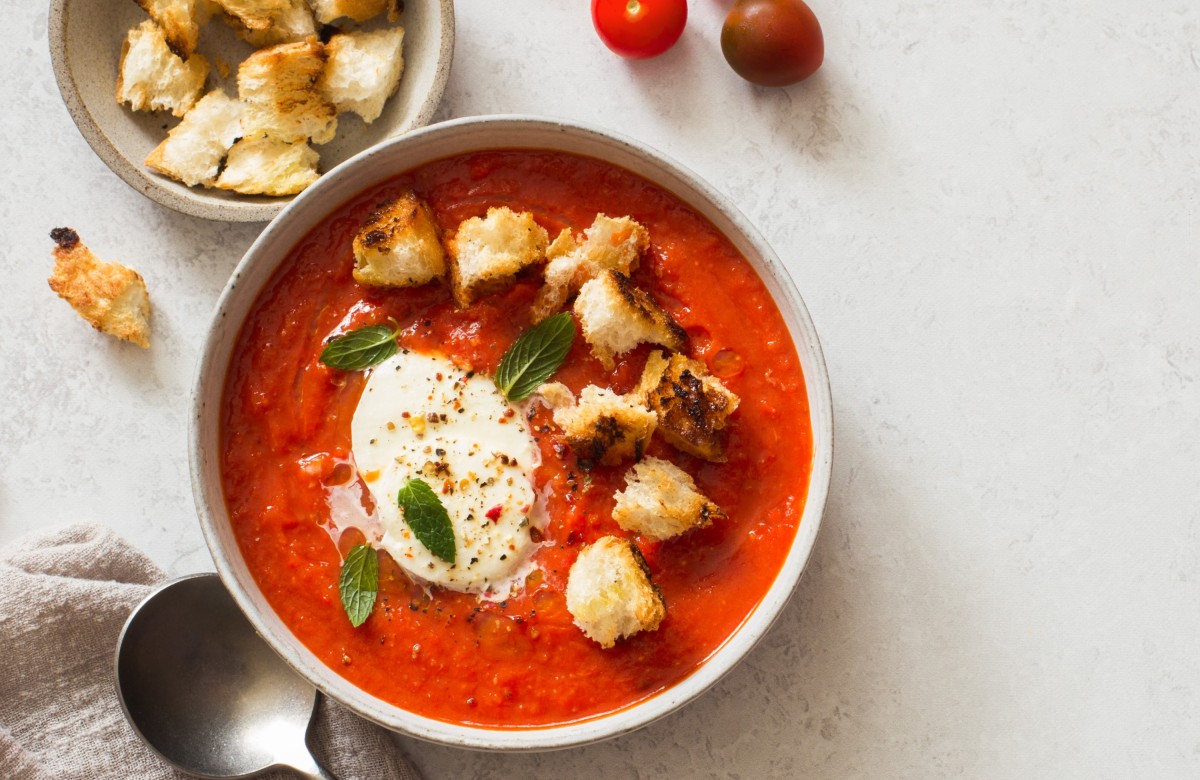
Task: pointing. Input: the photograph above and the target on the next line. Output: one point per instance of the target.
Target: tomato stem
(633, 7)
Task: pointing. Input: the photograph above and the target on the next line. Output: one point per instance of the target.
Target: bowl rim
(137, 177)
(350, 175)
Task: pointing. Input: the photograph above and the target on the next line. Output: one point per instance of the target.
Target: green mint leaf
(360, 348)
(535, 356)
(360, 583)
(428, 519)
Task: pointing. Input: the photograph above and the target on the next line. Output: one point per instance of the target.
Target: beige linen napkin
(64, 596)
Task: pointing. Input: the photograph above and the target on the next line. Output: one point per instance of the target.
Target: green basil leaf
(535, 356)
(360, 348)
(360, 583)
(428, 519)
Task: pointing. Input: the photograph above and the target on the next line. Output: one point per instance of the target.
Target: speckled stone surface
(993, 213)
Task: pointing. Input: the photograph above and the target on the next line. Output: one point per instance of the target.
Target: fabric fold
(64, 596)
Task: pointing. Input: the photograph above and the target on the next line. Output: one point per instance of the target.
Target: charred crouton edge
(608, 245)
(278, 90)
(693, 407)
(179, 23)
(603, 427)
(110, 296)
(193, 150)
(610, 594)
(487, 253)
(399, 245)
(616, 316)
(152, 77)
(661, 500)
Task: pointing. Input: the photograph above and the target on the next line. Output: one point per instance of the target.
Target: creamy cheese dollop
(420, 416)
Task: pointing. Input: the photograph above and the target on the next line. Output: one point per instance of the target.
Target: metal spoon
(205, 692)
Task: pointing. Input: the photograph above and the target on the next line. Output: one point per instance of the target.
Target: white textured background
(992, 209)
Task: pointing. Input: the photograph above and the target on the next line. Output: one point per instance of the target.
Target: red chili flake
(493, 514)
(405, 415)
(447, 487)
(509, 412)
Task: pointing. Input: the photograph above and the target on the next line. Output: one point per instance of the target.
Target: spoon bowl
(206, 692)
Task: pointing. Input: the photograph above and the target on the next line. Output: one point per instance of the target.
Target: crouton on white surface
(616, 316)
(291, 23)
(192, 152)
(110, 296)
(602, 427)
(661, 500)
(358, 10)
(180, 22)
(610, 594)
(399, 246)
(487, 253)
(278, 90)
(363, 70)
(262, 165)
(608, 245)
(153, 78)
(693, 406)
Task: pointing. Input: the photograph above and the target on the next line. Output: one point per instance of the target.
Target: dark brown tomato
(773, 42)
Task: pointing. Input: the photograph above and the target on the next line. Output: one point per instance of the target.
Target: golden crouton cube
(358, 10)
(290, 23)
(610, 594)
(110, 296)
(608, 245)
(193, 150)
(151, 77)
(661, 500)
(616, 316)
(399, 245)
(693, 407)
(278, 89)
(364, 70)
(603, 427)
(487, 253)
(255, 14)
(179, 22)
(262, 165)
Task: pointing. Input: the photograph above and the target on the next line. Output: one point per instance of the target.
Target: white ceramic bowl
(85, 48)
(383, 162)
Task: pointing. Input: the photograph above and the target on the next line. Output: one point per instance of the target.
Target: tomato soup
(519, 662)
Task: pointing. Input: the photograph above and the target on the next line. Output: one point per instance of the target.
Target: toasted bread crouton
(363, 70)
(661, 500)
(192, 152)
(179, 20)
(254, 14)
(278, 87)
(616, 316)
(487, 253)
(610, 594)
(262, 165)
(290, 24)
(151, 77)
(693, 407)
(358, 10)
(608, 245)
(398, 245)
(110, 296)
(602, 427)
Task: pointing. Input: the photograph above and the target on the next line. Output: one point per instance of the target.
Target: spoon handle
(309, 768)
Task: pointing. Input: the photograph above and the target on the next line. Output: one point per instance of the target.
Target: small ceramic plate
(85, 47)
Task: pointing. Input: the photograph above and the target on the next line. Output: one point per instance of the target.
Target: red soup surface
(520, 662)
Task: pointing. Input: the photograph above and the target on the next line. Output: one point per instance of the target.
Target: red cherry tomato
(773, 42)
(637, 29)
